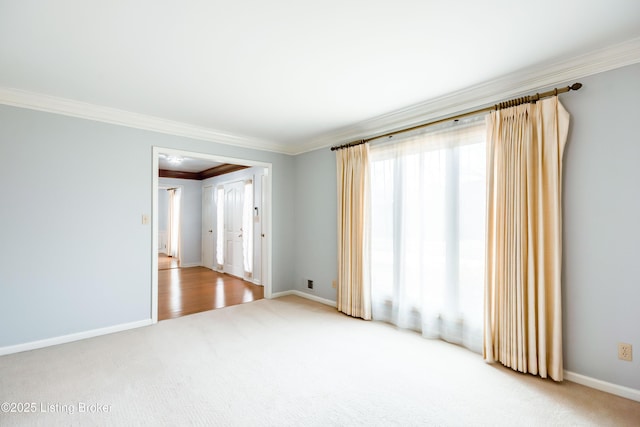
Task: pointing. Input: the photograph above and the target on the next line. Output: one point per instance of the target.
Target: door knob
(210, 231)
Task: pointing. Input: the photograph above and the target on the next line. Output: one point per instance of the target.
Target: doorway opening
(258, 212)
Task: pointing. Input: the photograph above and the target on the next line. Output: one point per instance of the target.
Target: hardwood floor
(165, 262)
(183, 291)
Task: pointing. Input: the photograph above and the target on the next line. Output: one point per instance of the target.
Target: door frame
(267, 218)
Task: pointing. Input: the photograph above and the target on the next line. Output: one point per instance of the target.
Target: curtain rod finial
(576, 86)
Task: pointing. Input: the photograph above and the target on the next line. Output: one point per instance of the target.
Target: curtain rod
(496, 107)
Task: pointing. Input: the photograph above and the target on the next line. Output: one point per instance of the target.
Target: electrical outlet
(624, 351)
(310, 284)
(334, 284)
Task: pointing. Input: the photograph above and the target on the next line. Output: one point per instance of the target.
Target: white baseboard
(305, 295)
(33, 345)
(280, 294)
(618, 390)
(190, 264)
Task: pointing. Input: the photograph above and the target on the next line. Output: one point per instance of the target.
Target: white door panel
(234, 198)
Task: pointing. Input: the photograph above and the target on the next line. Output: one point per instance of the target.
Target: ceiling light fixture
(175, 160)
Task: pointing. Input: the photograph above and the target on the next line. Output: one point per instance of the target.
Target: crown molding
(480, 95)
(68, 107)
(491, 92)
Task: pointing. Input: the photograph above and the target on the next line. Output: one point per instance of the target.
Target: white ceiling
(188, 164)
(288, 72)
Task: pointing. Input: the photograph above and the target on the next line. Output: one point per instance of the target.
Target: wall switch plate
(145, 219)
(334, 284)
(624, 351)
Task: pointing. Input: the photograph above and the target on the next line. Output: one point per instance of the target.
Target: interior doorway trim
(267, 217)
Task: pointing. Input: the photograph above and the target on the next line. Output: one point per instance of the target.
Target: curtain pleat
(354, 295)
(523, 319)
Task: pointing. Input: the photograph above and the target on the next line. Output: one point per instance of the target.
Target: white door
(207, 227)
(233, 204)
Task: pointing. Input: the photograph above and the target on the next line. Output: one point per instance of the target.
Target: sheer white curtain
(427, 231)
(247, 228)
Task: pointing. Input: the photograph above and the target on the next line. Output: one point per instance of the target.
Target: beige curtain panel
(354, 289)
(523, 316)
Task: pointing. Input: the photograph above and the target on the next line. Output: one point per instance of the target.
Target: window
(427, 231)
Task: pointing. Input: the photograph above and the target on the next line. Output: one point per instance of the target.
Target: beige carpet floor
(286, 362)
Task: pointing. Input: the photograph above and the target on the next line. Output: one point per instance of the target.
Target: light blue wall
(190, 219)
(316, 222)
(163, 210)
(602, 227)
(601, 286)
(74, 255)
